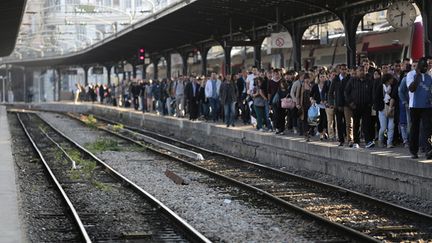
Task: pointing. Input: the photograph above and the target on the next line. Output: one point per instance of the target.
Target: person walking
(228, 98)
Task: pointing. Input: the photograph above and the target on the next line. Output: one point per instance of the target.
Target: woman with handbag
(280, 107)
(385, 99)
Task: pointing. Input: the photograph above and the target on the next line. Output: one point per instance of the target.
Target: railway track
(47, 216)
(364, 217)
(106, 206)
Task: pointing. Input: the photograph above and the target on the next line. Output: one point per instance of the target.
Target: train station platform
(10, 229)
(385, 169)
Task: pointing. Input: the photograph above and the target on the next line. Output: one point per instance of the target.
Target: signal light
(141, 55)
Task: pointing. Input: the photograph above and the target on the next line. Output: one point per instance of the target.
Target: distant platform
(386, 169)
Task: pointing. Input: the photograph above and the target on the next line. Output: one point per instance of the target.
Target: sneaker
(355, 145)
(371, 144)
(341, 144)
(350, 144)
(227, 125)
(414, 156)
(233, 125)
(295, 131)
(261, 130)
(390, 145)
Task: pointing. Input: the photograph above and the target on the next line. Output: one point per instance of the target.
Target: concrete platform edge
(10, 224)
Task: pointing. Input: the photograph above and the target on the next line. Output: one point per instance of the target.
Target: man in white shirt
(419, 84)
(250, 86)
(212, 89)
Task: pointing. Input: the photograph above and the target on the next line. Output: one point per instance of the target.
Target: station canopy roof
(167, 26)
(11, 12)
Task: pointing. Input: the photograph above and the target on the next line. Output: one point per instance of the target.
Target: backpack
(314, 115)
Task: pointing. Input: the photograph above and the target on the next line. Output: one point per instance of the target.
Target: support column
(350, 22)
(204, 52)
(108, 68)
(257, 56)
(155, 69)
(134, 71)
(144, 71)
(168, 63)
(185, 56)
(296, 33)
(426, 12)
(25, 85)
(85, 68)
(227, 54)
(58, 83)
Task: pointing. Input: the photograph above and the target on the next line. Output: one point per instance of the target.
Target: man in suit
(191, 95)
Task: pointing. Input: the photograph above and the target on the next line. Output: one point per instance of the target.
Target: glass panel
(58, 27)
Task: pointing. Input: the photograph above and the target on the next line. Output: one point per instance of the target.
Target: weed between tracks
(89, 121)
(85, 169)
(102, 145)
(117, 127)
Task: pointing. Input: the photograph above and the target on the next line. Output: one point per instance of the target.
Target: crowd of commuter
(383, 106)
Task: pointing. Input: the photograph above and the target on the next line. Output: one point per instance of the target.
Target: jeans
(180, 105)
(159, 107)
(386, 123)
(259, 116)
(404, 132)
(214, 104)
(205, 110)
(230, 112)
(169, 107)
(267, 116)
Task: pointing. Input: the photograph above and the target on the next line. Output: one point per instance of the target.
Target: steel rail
(376, 201)
(72, 209)
(356, 235)
(189, 232)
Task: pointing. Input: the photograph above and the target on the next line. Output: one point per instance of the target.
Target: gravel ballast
(221, 213)
(110, 211)
(42, 209)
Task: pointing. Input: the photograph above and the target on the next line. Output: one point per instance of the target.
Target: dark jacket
(189, 92)
(241, 85)
(323, 96)
(228, 93)
(378, 103)
(359, 92)
(336, 94)
(201, 95)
